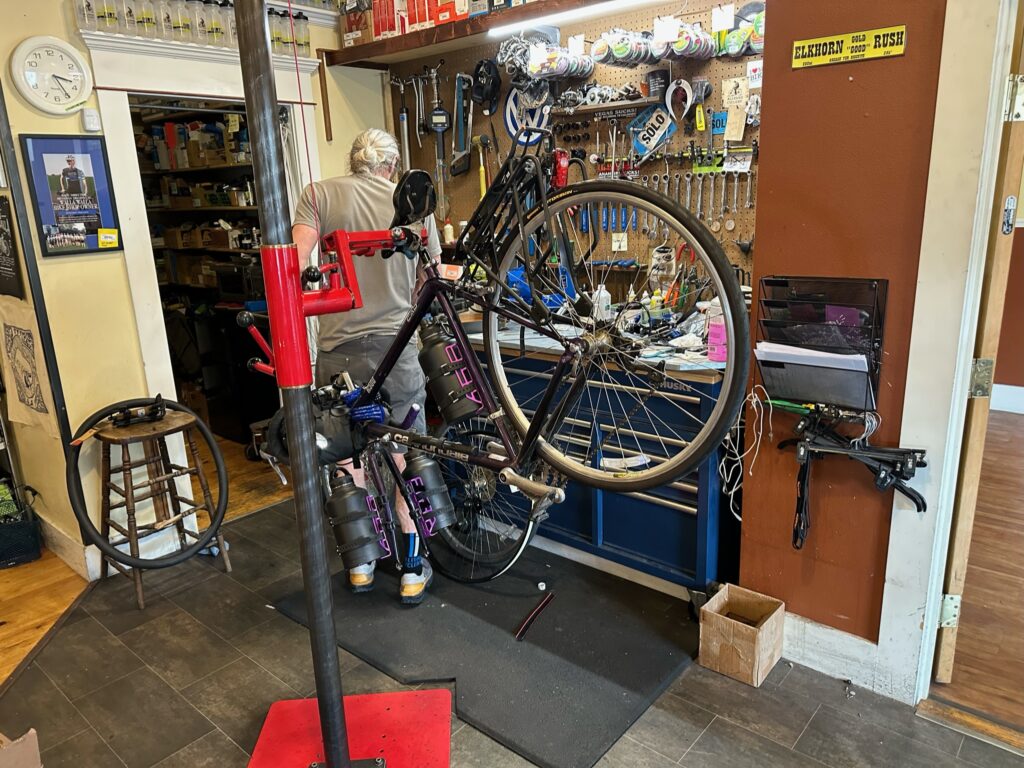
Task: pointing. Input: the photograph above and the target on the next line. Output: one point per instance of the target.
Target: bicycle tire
(472, 489)
(77, 497)
(735, 315)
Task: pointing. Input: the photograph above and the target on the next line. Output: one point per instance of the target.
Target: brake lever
(274, 465)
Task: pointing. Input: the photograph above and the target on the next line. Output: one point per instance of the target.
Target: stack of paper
(784, 353)
(810, 375)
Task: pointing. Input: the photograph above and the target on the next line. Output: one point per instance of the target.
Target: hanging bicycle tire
(79, 507)
(493, 524)
(619, 421)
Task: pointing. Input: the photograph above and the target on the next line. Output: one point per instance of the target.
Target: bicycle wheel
(629, 412)
(492, 520)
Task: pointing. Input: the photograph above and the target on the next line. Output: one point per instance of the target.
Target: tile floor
(186, 684)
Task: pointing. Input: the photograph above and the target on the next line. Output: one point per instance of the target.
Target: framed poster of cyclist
(72, 194)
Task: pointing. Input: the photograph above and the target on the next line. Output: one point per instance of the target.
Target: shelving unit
(174, 171)
(214, 208)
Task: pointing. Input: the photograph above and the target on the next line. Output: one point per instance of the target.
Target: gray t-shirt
(356, 203)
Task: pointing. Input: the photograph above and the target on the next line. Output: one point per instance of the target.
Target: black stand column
(271, 187)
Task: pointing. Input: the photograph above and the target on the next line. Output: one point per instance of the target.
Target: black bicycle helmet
(486, 85)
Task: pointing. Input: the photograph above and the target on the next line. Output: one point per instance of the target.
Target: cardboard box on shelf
(216, 237)
(22, 752)
(182, 201)
(479, 7)
(741, 634)
(357, 23)
(176, 237)
(449, 10)
(390, 18)
(196, 155)
(419, 15)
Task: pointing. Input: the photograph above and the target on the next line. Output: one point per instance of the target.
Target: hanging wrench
(656, 185)
(700, 195)
(735, 191)
(664, 224)
(710, 216)
(725, 206)
(689, 189)
(750, 197)
(676, 180)
(646, 181)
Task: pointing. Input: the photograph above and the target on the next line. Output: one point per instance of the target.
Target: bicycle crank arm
(539, 492)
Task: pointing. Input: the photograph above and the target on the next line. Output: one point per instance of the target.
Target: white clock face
(51, 74)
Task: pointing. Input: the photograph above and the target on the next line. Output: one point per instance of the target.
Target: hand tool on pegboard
(462, 151)
(403, 122)
(440, 122)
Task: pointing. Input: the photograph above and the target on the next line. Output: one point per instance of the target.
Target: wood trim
(962, 720)
(457, 34)
(993, 296)
(325, 104)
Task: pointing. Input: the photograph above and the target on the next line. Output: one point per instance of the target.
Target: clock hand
(57, 79)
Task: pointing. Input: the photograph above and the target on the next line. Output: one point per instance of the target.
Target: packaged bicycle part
(349, 516)
(429, 492)
(448, 378)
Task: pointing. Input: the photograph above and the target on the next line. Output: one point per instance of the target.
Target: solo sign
(651, 128)
(854, 46)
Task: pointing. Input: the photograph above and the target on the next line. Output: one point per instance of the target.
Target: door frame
(984, 345)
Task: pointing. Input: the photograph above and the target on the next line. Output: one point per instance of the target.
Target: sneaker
(360, 578)
(414, 587)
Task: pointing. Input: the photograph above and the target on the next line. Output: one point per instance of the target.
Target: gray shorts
(406, 383)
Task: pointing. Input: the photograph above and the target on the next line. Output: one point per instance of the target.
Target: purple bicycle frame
(437, 288)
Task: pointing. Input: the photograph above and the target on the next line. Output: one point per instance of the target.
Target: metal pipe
(271, 187)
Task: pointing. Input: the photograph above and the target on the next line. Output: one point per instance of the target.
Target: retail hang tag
(723, 17)
(233, 123)
(738, 163)
(735, 91)
(651, 128)
(735, 124)
(620, 242)
(576, 45)
(666, 29)
(755, 72)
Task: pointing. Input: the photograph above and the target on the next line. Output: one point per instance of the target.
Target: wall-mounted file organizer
(821, 339)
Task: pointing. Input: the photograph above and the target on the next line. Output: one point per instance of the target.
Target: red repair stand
(411, 729)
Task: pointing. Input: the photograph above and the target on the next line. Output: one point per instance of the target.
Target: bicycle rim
(492, 521)
(637, 423)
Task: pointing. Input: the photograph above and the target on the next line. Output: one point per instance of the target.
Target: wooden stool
(159, 486)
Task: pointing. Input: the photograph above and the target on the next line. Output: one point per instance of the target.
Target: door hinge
(982, 370)
(949, 612)
(1013, 101)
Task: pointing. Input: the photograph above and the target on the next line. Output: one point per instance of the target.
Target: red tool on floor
(404, 730)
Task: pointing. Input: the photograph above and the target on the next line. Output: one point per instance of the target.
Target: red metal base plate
(410, 729)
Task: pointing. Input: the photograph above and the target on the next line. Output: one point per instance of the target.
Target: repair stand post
(294, 375)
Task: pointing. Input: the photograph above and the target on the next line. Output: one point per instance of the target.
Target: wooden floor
(252, 485)
(32, 597)
(988, 672)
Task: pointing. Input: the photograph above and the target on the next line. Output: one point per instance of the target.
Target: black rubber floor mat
(600, 653)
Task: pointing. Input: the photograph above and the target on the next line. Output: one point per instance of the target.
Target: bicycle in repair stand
(602, 404)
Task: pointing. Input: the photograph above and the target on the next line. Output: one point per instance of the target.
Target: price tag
(620, 242)
(576, 45)
(651, 128)
(233, 123)
(723, 17)
(666, 29)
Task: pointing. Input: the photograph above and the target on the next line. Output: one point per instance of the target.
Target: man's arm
(306, 239)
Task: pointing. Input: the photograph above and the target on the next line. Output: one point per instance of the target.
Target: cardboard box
(20, 753)
(449, 10)
(390, 18)
(216, 237)
(479, 7)
(357, 23)
(741, 634)
(419, 15)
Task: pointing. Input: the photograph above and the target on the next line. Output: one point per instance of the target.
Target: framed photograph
(72, 194)
(10, 263)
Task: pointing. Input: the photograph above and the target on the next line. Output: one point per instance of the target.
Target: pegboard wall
(463, 192)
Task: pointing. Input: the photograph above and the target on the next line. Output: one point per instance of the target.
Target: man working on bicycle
(356, 341)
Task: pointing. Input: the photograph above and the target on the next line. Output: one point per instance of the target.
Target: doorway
(984, 687)
(195, 166)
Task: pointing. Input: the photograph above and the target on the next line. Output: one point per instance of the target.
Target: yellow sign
(854, 46)
(107, 238)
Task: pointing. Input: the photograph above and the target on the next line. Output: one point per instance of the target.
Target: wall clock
(51, 74)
